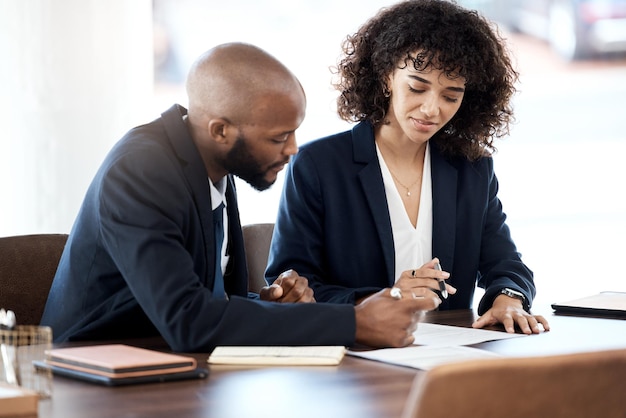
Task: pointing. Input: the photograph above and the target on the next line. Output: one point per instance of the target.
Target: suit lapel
(372, 184)
(444, 178)
(196, 176)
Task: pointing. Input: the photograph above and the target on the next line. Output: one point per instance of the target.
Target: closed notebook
(603, 303)
(17, 402)
(278, 355)
(119, 360)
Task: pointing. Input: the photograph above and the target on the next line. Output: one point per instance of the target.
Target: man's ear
(219, 130)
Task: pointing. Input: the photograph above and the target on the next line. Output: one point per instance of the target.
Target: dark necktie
(218, 227)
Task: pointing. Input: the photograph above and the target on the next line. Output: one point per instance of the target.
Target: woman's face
(422, 101)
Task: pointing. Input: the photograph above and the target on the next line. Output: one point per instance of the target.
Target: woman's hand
(426, 276)
(509, 312)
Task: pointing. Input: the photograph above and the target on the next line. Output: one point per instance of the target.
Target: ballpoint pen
(442, 283)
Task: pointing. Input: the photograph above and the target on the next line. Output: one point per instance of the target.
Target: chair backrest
(580, 385)
(257, 239)
(27, 266)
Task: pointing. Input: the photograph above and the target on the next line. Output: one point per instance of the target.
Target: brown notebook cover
(17, 402)
(604, 303)
(119, 360)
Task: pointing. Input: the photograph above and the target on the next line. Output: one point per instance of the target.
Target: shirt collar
(218, 192)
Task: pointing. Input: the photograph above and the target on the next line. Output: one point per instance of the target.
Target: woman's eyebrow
(423, 80)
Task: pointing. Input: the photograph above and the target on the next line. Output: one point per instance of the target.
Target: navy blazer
(139, 259)
(333, 224)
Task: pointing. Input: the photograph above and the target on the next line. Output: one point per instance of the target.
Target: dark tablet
(604, 304)
(198, 373)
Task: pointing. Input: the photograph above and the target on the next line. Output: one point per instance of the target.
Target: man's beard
(241, 163)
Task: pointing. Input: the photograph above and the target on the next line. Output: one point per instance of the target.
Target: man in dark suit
(143, 259)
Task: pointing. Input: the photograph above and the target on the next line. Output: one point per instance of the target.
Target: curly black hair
(447, 37)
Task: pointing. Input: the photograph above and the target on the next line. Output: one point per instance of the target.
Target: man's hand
(382, 321)
(509, 312)
(289, 287)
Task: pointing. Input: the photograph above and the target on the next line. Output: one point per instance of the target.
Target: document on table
(423, 357)
(447, 335)
(438, 344)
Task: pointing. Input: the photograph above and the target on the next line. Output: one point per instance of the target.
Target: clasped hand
(289, 287)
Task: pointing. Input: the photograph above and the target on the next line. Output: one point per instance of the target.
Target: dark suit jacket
(139, 259)
(333, 224)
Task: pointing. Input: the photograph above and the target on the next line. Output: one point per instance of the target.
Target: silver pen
(442, 283)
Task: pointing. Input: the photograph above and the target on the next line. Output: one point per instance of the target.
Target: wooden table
(356, 388)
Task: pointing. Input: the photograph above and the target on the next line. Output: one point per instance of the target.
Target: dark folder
(604, 303)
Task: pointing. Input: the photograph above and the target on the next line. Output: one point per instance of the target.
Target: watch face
(513, 293)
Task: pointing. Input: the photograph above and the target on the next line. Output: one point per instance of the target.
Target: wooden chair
(257, 239)
(585, 385)
(27, 266)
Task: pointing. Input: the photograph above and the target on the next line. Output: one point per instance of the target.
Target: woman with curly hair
(407, 199)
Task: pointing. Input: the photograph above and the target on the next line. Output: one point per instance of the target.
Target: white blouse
(413, 245)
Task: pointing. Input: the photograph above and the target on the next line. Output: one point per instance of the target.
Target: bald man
(142, 259)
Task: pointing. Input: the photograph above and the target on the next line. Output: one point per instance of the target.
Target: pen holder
(28, 343)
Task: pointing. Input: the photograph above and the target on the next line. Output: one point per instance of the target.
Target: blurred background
(77, 74)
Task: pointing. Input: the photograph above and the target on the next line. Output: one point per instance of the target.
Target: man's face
(266, 143)
(254, 168)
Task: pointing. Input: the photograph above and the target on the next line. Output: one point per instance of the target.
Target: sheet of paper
(423, 357)
(448, 335)
(438, 344)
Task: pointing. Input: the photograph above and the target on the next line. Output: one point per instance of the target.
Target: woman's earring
(386, 91)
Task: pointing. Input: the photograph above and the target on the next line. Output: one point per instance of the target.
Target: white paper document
(438, 344)
(424, 357)
(448, 335)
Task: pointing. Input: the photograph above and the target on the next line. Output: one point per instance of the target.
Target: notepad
(278, 355)
(604, 303)
(117, 364)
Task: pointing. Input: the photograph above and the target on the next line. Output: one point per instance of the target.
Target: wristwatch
(514, 294)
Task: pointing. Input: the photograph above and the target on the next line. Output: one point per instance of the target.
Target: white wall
(74, 76)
